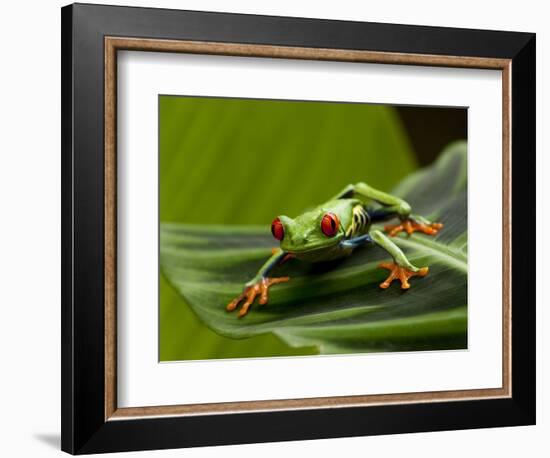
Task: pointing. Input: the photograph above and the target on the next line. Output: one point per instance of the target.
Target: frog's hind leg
(391, 206)
(401, 268)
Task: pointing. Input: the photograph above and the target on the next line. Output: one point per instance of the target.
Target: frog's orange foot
(250, 292)
(409, 226)
(400, 273)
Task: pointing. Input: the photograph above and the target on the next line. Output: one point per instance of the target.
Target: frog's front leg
(401, 268)
(260, 284)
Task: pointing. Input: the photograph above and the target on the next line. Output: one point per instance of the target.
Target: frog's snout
(301, 238)
(298, 239)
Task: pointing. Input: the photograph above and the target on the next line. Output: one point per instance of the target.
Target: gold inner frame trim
(114, 44)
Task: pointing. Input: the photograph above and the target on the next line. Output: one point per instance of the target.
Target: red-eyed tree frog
(333, 230)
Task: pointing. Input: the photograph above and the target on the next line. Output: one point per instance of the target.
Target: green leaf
(338, 307)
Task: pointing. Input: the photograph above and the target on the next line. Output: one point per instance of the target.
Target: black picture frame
(84, 427)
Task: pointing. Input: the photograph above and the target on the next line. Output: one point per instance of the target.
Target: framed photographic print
(273, 221)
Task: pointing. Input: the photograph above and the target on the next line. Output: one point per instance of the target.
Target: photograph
(272, 220)
(275, 229)
(302, 228)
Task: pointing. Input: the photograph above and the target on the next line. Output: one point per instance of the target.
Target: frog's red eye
(277, 229)
(330, 224)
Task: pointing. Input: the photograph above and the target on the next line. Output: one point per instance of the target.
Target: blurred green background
(243, 161)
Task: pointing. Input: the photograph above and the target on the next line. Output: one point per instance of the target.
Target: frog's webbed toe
(409, 226)
(400, 273)
(249, 294)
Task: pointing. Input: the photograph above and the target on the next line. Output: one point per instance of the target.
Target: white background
(142, 381)
(30, 233)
